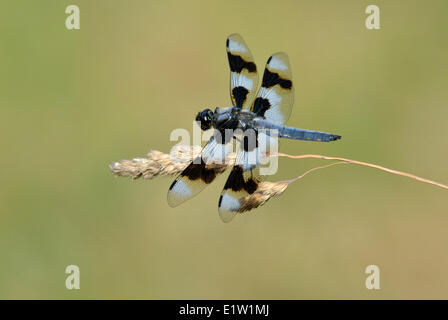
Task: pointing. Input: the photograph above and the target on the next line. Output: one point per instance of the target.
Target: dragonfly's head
(205, 119)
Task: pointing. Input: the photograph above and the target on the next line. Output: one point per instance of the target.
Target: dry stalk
(161, 164)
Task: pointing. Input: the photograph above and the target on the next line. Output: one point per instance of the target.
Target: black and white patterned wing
(243, 72)
(276, 95)
(200, 172)
(239, 185)
(245, 176)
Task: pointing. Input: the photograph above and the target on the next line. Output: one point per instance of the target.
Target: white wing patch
(236, 46)
(215, 152)
(278, 64)
(181, 192)
(274, 113)
(248, 160)
(228, 207)
(244, 82)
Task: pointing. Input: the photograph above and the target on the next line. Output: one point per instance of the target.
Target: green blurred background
(72, 102)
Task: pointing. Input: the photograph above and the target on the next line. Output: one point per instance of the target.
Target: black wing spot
(250, 140)
(237, 64)
(193, 171)
(208, 175)
(261, 105)
(239, 95)
(251, 186)
(196, 171)
(270, 79)
(227, 42)
(236, 181)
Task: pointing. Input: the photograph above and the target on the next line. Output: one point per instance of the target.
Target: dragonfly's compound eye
(205, 118)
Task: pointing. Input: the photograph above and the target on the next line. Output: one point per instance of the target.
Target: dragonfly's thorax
(225, 118)
(231, 118)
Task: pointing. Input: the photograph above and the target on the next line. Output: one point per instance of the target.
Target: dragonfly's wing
(243, 72)
(245, 176)
(276, 95)
(200, 172)
(239, 185)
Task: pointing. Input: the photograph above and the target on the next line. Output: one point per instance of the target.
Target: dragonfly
(253, 116)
